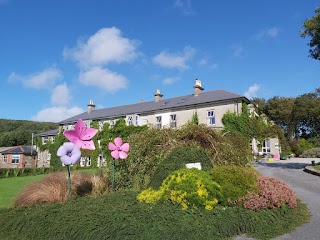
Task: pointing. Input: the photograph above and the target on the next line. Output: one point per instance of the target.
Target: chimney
(197, 88)
(158, 96)
(91, 106)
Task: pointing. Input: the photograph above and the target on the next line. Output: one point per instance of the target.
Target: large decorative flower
(69, 153)
(81, 136)
(119, 150)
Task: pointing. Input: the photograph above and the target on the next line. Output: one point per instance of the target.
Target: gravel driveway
(307, 188)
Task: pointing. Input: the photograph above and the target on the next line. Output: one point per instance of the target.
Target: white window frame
(15, 159)
(173, 120)
(85, 161)
(49, 156)
(266, 146)
(45, 140)
(129, 120)
(5, 158)
(137, 120)
(159, 122)
(211, 118)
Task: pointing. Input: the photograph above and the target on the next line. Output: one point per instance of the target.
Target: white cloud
(56, 114)
(174, 60)
(252, 91)
(60, 95)
(205, 62)
(184, 6)
(103, 78)
(105, 46)
(269, 32)
(41, 80)
(238, 51)
(170, 80)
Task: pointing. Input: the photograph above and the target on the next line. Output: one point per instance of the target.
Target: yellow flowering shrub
(188, 188)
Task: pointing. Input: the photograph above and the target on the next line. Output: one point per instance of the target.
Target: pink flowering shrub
(272, 193)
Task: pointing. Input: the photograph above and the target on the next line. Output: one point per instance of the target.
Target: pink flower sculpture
(81, 136)
(69, 153)
(118, 149)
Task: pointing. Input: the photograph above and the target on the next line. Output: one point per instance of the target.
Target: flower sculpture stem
(119, 150)
(69, 181)
(112, 180)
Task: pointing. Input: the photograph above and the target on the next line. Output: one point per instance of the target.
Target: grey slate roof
(164, 104)
(26, 150)
(48, 133)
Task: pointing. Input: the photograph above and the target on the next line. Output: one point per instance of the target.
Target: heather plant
(189, 188)
(235, 181)
(53, 188)
(272, 193)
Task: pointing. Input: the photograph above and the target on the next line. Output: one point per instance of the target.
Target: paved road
(307, 188)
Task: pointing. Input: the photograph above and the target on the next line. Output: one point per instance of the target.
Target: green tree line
(19, 132)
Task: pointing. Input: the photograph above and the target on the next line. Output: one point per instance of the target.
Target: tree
(280, 110)
(311, 28)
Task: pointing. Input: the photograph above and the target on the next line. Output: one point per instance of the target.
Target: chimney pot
(158, 96)
(91, 106)
(198, 88)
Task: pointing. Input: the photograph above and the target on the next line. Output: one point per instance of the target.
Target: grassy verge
(119, 216)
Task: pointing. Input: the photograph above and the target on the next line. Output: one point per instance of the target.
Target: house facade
(18, 157)
(174, 112)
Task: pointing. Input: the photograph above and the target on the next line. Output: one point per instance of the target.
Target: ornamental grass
(53, 188)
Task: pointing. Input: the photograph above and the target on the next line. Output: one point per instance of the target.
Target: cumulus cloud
(269, 32)
(40, 80)
(103, 78)
(56, 114)
(252, 91)
(170, 80)
(105, 46)
(174, 60)
(60, 95)
(184, 6)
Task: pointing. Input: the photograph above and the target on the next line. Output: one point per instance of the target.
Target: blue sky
(57, 55)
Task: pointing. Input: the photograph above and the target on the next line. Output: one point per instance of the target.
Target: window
(85, 161)
(159, 122)
(15, 159)
(266, 146)
(137, 120)
(129, 120)
(49, 156)
(211, 118)
(173, 121)
(44, 140)
(52, 139)
(5, 158)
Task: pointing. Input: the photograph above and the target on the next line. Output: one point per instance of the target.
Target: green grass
(317, 167)
(11, 187)
(120, 216)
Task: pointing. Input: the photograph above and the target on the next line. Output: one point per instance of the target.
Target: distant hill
(19, 132)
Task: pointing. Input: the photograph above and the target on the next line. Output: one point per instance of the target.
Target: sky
(57, 55)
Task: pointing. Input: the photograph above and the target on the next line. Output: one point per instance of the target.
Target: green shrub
(311, 153)
(178, 159)
(235, 181)
(188, 188)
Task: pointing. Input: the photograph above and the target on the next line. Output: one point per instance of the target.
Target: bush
(188, 188)
(272, 193)
(178, 159)
(235, 181)
(18, 172)
(311, 153)
(150, 148)
(53, 188)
